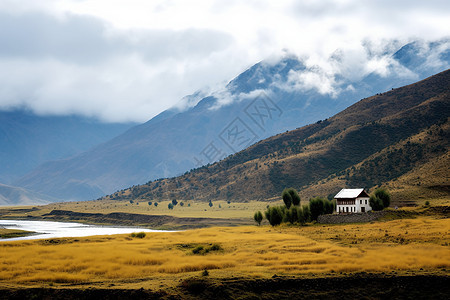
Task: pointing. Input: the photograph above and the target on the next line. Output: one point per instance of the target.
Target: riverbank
(14, 233)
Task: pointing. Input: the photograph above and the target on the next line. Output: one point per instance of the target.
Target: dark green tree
(258, 217)
(174, 202)
(376, 203)
(316, 207)
(384, 196)
(170, 206)
(294, 196)
(305, 215)
(287, 198)
(150, 203)
(274, 215)
(292, 214)
(155, 204)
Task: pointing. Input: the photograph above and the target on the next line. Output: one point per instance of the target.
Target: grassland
(12, 233)
(163, 260)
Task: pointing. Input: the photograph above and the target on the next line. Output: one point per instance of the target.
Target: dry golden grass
(399, 246)
(197, 209)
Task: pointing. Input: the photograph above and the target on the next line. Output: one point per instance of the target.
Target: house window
(360, 201)
(366, 201)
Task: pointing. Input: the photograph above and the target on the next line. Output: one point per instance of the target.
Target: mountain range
(399, 139)
(269, 98)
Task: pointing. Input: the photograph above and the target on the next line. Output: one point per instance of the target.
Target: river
(47, 229)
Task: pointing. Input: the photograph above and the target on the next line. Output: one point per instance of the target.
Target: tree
(274, 215)
(155, 204)
(384, 196)
(287, 198)
(376, 203)
(316, 207)
(150, 203)
(294, 196)
(210, 203)
(170, 206)
(292, 214)
(174, 202)
(304, 214)
(258, 217)
(181, 203)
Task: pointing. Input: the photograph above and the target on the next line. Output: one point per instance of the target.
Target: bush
(304, 214)
(292, 214)
(155, 204)
(174, 202)
(139, 235)
(274, 215)
(150, 203)
(258, 217)
(210, 203)
(170, 206)
(427, 203)
(316, 207)
(375, 203)
(198, 250)
(384, 196)
(181, 203)
(320, 206)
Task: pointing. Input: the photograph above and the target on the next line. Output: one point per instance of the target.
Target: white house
(352, 201)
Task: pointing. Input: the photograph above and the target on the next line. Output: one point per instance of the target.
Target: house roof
(351, 193)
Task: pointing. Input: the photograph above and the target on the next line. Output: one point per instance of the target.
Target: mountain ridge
(333, 148)
(177, 140)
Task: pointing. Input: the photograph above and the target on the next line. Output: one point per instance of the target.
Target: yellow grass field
(197, 209)
(163, 259)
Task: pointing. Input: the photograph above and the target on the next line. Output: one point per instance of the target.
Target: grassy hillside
(386, 139)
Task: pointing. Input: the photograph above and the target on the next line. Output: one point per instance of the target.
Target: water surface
(48, 229)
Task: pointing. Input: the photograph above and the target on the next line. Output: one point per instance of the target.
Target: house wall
(354, 208)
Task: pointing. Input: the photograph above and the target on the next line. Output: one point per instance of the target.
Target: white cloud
(129, 60)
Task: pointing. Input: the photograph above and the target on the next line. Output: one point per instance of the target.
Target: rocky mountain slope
(386, 139)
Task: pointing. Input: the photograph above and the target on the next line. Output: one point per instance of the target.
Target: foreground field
(164, 260)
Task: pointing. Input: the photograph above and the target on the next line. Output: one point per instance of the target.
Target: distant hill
(28, 140)
(269, 98)
(10, 196)
(399, 138)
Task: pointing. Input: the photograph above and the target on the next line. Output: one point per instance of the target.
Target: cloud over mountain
(121, 62)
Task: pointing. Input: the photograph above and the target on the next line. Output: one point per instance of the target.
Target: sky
(122, 61)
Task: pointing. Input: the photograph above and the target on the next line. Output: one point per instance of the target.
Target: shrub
(376, 203)
(384, 196)
(427, 203)
(316, 207)
(139, 235)
(258, 217)
(210, 203)
(181, 203)
(205, 273)
(198, 249)
(292, 214)
(155, 204)
(304, 214)
(274, 215)
(150, 202)
(170, 206)
(174, 202)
